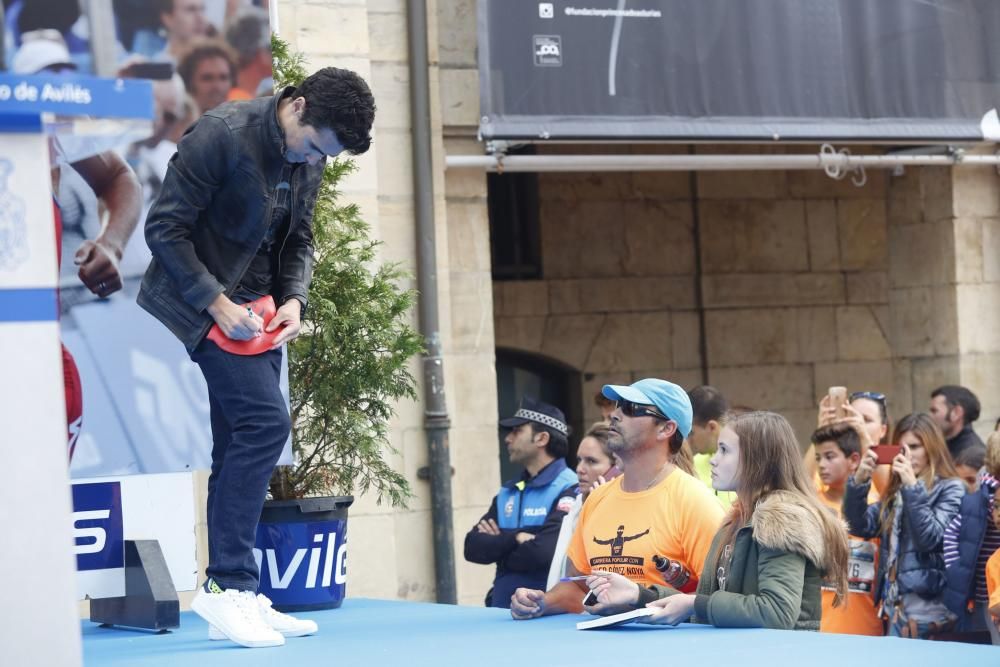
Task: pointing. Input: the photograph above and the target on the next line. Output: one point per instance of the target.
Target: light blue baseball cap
(669, 399)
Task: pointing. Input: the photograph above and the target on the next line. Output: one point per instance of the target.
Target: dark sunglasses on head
(870, 395)
(630, 409)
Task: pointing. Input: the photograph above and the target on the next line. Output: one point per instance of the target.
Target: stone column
(944, 285)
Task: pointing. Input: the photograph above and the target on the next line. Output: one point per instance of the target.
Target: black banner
(762, 70)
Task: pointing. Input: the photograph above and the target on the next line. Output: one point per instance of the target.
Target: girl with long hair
(923, 496)
(772, 552)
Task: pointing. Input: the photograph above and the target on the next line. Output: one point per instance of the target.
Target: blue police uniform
(533, 505)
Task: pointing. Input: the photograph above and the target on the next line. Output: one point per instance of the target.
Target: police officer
(520, 530)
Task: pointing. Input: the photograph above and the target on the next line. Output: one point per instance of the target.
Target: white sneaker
(236, 616)
(288, 626)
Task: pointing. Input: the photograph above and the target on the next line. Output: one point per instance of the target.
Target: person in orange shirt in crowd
(838, 454)
(249, 33)
(209, 72)
(652, 509)
(993, 583)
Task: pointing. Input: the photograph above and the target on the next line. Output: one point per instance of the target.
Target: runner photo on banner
(136, 402)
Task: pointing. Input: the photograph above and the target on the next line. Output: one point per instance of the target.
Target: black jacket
(213, 212)
(526, 564)
(966, 438)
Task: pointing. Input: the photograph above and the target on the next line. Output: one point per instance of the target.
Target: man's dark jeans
(250, 425)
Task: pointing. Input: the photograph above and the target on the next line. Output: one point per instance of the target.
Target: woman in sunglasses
(772, 552)
(923, 496)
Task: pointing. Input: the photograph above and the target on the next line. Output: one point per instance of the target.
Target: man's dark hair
(558, 445)
(707, 404)
(844, 435)
(164, 7)
(340, 100)
(203, 50)
(676, 442)
(955, 395)
(53, 14)
(973, 456)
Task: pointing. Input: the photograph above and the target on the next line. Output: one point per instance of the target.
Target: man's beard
(617, 443)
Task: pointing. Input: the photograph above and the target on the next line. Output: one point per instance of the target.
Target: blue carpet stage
(377, 632)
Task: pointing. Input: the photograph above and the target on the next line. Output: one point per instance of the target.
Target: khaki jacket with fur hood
(774, 576)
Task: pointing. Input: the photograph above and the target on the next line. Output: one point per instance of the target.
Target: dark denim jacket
(213, 211)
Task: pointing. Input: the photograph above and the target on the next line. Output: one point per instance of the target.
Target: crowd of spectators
(873, 527)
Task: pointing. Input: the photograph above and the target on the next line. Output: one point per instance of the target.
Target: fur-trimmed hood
(783, 521)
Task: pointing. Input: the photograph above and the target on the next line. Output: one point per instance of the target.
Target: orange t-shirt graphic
(621, 532)
(856, 615)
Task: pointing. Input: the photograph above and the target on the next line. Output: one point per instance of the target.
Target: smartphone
(612, 472)
(590, 599)
(884, 454)
(158, 71)
(838, 397)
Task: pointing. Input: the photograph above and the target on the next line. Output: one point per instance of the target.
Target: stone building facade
(805, 282)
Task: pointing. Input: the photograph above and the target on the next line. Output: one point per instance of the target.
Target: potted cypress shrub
(346, 370)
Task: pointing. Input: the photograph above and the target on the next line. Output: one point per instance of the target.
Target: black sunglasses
(870, 395)
(630, 409)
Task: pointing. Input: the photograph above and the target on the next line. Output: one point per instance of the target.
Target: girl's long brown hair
(770, 460)
(938, 461)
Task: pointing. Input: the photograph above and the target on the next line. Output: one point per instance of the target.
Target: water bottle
(673, 571)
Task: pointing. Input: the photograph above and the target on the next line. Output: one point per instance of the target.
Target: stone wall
(793, 274)
(391, 550)
(944, 283)
(806, 281)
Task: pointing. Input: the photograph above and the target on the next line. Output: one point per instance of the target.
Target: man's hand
(488, 526)
(527, 603)
(289, 317)
(98, 264)
(670, 610)
(614, 592)
(523, 537)
(236, 322)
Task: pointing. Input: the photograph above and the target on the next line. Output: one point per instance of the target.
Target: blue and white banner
(108, 511)
(76, 96)
(302, 563)
(99, 542)
(27, 228)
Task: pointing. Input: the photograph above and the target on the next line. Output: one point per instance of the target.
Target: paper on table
(616, 619)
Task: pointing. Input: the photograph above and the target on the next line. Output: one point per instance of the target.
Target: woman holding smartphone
(868, 413)
(923, 496)
(772, 552)
(595, 466)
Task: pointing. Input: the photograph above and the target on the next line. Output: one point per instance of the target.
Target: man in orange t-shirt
(619, 531)
(838, 453)
(652, 509)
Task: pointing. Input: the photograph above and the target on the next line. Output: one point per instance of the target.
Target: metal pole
(102, 36)
(571, 163)
(436, 421)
